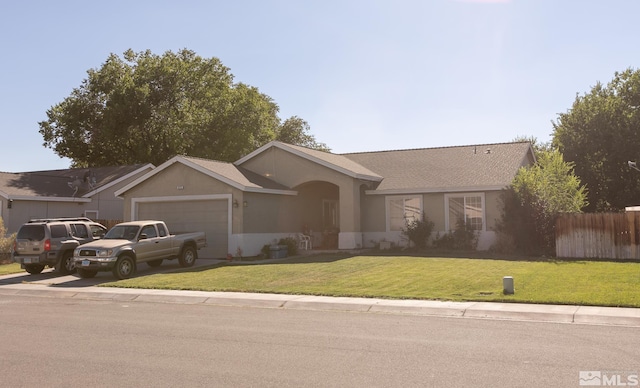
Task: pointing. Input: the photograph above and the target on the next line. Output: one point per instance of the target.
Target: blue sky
(366, 75)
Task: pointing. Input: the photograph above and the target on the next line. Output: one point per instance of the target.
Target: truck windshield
(122, 233)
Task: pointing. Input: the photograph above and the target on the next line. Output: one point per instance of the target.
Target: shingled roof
(73, 182)
(236, 176)
(244, 178)
(473, 167)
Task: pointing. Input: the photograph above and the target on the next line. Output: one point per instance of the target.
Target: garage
(188, 215)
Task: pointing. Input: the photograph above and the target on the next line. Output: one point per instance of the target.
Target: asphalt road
(63, 342)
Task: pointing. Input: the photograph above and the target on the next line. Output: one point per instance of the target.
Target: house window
(401, 210)
(91, 214)
(465, 208)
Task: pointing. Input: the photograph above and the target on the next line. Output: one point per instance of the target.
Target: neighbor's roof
(69, 183)
(460, 168)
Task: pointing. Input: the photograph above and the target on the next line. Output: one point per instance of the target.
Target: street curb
(592, 315)
(519, 311)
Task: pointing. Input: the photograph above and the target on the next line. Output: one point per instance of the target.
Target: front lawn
(404, 277)
(6, 269)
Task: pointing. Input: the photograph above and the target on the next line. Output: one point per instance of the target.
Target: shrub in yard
(418, 231)
(462, 238)
(292, 245)
(6, 243)
(266, 250)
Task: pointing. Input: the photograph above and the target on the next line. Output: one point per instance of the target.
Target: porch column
(350, 236)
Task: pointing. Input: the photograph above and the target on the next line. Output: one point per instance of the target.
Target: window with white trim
(401, 210)
(466, 208)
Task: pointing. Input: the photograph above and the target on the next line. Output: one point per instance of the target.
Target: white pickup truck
(130, 243)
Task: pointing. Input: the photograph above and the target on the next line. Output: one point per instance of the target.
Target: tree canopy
(147, 108)
(599, 135)
(537, 196)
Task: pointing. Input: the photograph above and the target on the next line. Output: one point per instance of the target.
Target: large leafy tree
(537, 196)
(600, 134)
(147, 108)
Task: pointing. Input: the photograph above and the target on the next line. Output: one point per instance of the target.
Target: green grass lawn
(404, 277)
(6, 269)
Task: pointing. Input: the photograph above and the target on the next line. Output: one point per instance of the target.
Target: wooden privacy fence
(599, 236)
(108, 223)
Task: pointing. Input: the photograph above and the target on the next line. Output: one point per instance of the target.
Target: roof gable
(335, 162)
(238, 177)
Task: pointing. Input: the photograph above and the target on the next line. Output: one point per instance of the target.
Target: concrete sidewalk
(479, 310)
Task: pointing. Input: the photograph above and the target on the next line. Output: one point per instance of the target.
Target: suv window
(59, 231)
(79, 230)
(31, 232)
(98, 231)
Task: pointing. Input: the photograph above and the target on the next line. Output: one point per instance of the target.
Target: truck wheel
(34, 269)
(86, 273)
(66, 265)
(125, 267)
(154, 263)
(188, 256)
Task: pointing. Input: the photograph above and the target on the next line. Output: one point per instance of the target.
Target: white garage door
(209, 216)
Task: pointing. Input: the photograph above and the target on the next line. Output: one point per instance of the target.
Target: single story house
(75, 192)
(344, 201)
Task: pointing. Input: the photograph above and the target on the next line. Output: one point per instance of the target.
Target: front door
(330, 223)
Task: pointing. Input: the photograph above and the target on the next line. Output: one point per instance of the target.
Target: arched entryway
(318, 209)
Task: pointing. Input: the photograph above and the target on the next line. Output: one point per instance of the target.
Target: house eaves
(49, 199)
(200, 166)
(332, 161)
(431, 190)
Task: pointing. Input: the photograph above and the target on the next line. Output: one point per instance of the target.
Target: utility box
(278, 251)
(507, 285)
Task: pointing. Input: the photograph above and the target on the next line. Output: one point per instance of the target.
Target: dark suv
(51, 241)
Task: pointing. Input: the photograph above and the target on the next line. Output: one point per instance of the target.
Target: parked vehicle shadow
(51, 278)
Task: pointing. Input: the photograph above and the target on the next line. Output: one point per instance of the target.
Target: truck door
(147, 247)
(164, 241)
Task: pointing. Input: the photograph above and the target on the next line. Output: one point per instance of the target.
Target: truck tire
(188, 256)
(86, 273)
(66, 265)
(125, 267)
(154, 263)
(34, 269)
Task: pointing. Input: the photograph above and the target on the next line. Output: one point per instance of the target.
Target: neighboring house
(344, 201)
(78, 192)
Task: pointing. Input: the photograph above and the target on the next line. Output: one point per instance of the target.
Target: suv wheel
(125, 267)
(66, 265)
(34, 269)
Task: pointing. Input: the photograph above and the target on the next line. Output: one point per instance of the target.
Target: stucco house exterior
(343, 201)
(76, 192)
